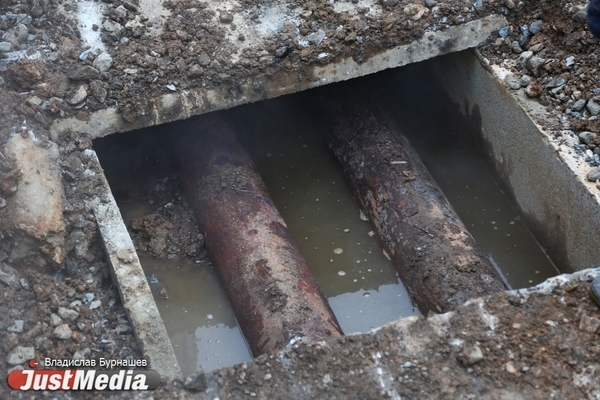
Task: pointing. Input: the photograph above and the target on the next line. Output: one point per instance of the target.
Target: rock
(138, 31)
(503, 32)
(55, 105)
(195, 382)
(55, 320)
(95, 304)
(34, 101)
(514, 84)
(593, 175)
(123, 254)
(37, 8)
(510, 368)
(20, 354)
(16, 35)
(556, 82)
(79, 96)
(120, 12)
(570, 61)
(536, 27)
(75, 304)
(537, 47)
(88, 297)
(27, 72)
(62, 332)
(431, 3)
(593, 107)
(112, 26)
(524, 57)
(181, 34)
(37, 208)
(534, 90)
(17, 327)
(9, 276)
(82, 354)
(103, 62)
(415, 11)
(589, 324)
(316, 38)
(65, 313)
(516, 47)
(579, 104)
(525, 80)
(195, 71)
(98, 91)
(535, 62)
(203, 59)
(5, 46)
(281, 52)
(122, 329)
(225, 17)
(351, 38)
(470, 355)
(84, 73)
(589, 138)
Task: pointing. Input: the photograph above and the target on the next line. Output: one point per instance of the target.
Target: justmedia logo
(77, 379)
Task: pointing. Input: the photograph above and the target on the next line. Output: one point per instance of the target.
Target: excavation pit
(300, 173)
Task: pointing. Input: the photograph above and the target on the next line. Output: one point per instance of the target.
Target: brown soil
(33, 294)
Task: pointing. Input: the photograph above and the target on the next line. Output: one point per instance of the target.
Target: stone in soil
(593, 175)
(20, 355)
(62, 332)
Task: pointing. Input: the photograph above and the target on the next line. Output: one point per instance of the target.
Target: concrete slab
(36, 208)
(133, 287)
(176, 59)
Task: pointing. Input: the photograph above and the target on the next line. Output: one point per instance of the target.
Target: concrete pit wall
(547, 184)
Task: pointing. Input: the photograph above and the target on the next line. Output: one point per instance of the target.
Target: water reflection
(310, 192)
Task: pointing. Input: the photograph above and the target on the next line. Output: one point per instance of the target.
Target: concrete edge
(132, 285)
(182, 105)
(563, 281)
(562, 212)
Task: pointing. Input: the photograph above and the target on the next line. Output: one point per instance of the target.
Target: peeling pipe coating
(436, 257)
(274, 295)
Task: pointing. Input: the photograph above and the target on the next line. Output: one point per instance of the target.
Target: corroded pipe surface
(273, 293)
(436, 257)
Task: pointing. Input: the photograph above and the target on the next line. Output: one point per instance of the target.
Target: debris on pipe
(436, 257)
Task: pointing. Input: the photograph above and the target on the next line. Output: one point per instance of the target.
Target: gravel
(62, 332)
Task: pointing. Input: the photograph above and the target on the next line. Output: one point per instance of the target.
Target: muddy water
(447, 143)
(197, 314)
(310, 192)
